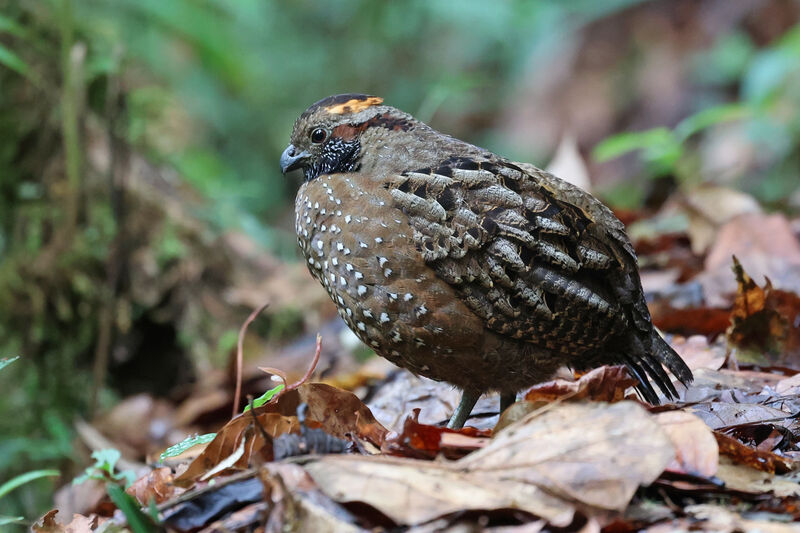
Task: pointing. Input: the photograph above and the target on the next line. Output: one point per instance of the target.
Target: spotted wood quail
(461, 265)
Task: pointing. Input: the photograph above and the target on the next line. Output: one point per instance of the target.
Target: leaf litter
(577, 453)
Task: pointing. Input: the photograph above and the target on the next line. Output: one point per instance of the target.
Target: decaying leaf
(337, 412)
(422, 441)
(79, 524)
(765, 461)
(604, 384)
(155, 485)
(594, 454)
(765, 319)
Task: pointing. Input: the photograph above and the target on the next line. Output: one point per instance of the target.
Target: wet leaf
(745, 455)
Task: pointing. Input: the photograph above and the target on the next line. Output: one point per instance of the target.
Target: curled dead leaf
(604, 384)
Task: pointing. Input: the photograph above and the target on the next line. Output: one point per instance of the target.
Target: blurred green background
(139, 142)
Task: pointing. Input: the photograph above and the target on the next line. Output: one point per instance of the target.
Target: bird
(461, 265)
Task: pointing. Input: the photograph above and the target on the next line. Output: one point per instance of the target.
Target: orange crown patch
(354, 105)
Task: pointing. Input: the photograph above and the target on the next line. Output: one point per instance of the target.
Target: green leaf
(264, 398)
(19, 520)
(185, 444)
(103, 468)
(11, 26)
(13, 61)
(27, 477)
(4, 362)
(623, 143)
(709, 117)
(137, 520)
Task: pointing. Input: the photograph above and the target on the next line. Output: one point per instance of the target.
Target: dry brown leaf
(709, 207)
(745, 479)
(765, 319)
(789, 386)
(589, 453)
(696, 449)
(79, 524)
(410, 491)
(765, 461)
(156, 485)
(765, 245)
(593, 453)
(604, 384)
(707, 517)
(722, 414)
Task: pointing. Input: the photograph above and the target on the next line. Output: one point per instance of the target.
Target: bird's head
(329, 136)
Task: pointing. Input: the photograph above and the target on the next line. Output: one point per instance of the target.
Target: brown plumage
(461, 265)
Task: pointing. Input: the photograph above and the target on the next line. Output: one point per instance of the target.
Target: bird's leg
(506, 400)
(468, 400)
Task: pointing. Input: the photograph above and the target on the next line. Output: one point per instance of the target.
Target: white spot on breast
(347, 251)
(421, 310)
(316, 205)
(367, 313)
(349, 312)
(375, 344)
(338, 213)
(308, 220)
(349, 267)
(334, 261)
(333, 278)
(387, 272)
(378, 240)
(338, 202)
(382, 261)
(407, 296)
(339, 246)
(322, 212)
(396, 337)
(393, 296)
(342, 281)
(323, 228)
(310, 260)
(339, 298)
(347, 218)
(361, 326)
(361, 290)
(362, 244)
(359, 275)
(381, 203)
(384, 318)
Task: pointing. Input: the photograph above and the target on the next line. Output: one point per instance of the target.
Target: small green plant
(189, 442)
(264, 398)
(18, 481)
(104, 468)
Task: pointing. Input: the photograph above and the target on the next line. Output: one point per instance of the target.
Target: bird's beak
(291, 160)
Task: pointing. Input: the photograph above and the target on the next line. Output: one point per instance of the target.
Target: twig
(239, 350)
(306, 377)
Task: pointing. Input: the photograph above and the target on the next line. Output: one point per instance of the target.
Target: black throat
(338, 156)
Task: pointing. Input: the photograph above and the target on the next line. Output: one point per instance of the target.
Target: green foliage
(265, 398)
(138, 521)
(104, 467)
(27, 477)
(177, 449)
(663, 149)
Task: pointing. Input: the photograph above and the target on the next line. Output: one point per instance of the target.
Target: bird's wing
(538, 259)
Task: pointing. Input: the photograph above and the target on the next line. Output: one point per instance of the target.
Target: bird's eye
(318, 135)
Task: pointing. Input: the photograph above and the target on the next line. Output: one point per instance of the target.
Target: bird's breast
(362, 250)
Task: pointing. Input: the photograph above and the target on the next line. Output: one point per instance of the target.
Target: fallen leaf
(595, 454)
(156, 485)
(746, 479)
(697, 353)
(568, 164)
(410, 491)
(422, 441)
(723, 414)
(765, 319)
(765, 461)
(79, 524)
(710, 206)
(764, 244)
(696, 449)
(604, 384)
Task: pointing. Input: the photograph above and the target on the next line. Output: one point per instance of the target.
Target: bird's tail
(648, 367)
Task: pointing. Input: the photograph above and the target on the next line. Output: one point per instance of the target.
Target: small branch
(239, 357)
